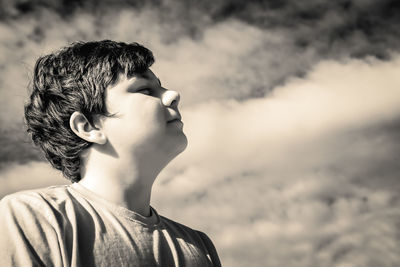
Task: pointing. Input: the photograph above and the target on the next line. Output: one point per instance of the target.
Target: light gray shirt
(71, 226)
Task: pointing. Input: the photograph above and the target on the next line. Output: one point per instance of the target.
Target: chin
(179, 144)
(184, 144)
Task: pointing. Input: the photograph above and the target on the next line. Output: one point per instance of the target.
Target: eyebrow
(145, 75)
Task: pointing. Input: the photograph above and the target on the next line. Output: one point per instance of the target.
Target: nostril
(170, 98)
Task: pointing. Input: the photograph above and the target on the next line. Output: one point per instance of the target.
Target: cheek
(140, 117)
(152, 112)
(146, 120)
(140, 109)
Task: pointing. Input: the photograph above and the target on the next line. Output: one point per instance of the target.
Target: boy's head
(75, 79)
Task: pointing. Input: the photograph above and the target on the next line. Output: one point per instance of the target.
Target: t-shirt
(71, 226)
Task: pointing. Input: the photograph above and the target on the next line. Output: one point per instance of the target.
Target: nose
(171, 98)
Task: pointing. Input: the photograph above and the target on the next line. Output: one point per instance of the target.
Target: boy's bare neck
(126, 189)
(122, 177)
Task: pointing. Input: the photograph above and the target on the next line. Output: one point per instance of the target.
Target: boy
(102, 117)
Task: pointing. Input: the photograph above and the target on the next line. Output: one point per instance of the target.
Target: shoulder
(183, 230)
(31, 224)
(42, 201)
(52, 194)
(194, 237)
(178, 226)
(35, 213)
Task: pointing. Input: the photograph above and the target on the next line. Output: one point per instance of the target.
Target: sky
(292, 111)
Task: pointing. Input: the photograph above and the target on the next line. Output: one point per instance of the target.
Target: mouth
(175, 118)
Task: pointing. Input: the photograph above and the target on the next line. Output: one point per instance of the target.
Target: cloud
(306, 176)
(206, 50)
(293, 153)
(28, 176)
(334, 97)
(237, 64)
(294, 178)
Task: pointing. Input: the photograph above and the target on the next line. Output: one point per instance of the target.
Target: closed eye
(145, 91)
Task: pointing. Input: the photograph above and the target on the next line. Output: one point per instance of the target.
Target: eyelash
(145, 91)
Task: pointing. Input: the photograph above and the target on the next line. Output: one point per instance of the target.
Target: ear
(84, 129)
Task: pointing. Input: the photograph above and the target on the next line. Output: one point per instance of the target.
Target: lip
(175, 118)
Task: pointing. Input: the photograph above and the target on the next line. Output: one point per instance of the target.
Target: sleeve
(26, 236)
(212, 252)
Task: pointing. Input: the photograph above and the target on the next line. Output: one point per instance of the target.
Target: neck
(135, 198)
(127, 184)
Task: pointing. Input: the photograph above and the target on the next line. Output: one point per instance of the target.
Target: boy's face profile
(146, 117)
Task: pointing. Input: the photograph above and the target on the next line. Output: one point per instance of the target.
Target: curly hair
(75, 79)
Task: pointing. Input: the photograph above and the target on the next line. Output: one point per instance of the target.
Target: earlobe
(98, 137)
(81, 126)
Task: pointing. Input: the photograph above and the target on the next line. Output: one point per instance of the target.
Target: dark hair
(75, 79)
